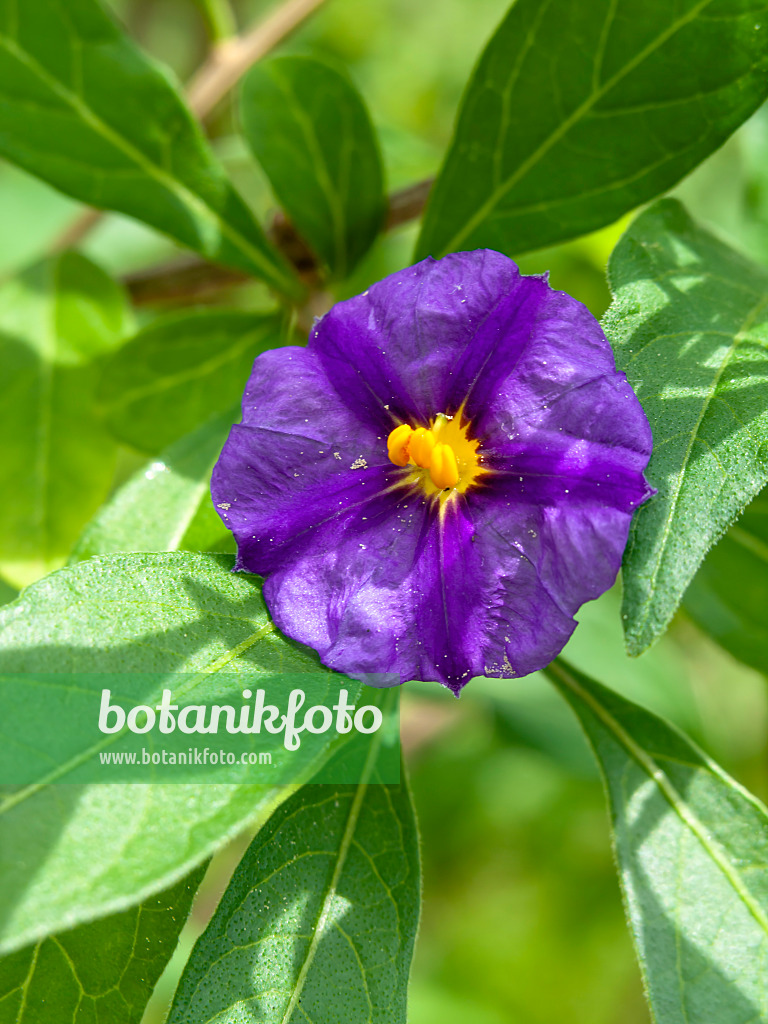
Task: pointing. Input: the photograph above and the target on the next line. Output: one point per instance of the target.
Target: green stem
(220, 19)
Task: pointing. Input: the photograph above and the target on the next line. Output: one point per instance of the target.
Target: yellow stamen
(420, 448)
(442, 458)
(443, 468)
(397, 444)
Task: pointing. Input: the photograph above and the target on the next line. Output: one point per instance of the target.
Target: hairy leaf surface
(689, 323)
(101, 971)
(319, 920)
(72, 853)
(577, 112)
(309, 129)
(166, 505)
(84, 109)
(692, 849)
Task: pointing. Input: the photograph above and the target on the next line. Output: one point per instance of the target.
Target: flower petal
(397, 588)
(374, 575)
(289, 391)
(590, 445)
(466, 329)
(274, 490)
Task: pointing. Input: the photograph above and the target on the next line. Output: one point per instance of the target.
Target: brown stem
(408, 203)
(228, 62)
(193, 278)
(231, 58)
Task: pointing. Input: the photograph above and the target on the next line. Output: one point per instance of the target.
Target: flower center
(443, 457)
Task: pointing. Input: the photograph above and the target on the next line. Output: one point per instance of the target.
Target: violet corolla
(441, 478)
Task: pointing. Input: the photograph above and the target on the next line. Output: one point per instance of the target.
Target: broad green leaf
(578, 112)
(57, 322)
(101, 971)
(180, 370)
(689, 324)
(729, 594)
(82, 108)
(160, 507)
(72, 853)
(320, 918)
(692, 850)
(309, 129)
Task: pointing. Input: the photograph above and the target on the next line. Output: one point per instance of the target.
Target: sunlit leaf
(692, 849)
(180, 370)
(309, 128)
(153, 613)
(82, 108)
(689, 324)
(578, 112)
(320, 918)
(105, 970)
(161, 507)
(57, 323)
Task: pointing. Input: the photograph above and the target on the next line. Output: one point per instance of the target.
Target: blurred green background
(522, 919)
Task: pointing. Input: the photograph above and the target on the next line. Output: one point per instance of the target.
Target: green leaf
(57, 321)
(82, 108)
(729, 593)
(7, 592)
(309, 129)
(180, 370)
(157, 613)
(689, 323)
(692, 850)
(101, 971)
(578, 112)
(159, 508)
(320, 918)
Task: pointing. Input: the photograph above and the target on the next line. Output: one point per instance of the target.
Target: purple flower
(437, 483)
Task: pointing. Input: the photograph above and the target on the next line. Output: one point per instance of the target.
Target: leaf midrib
(200, 676)
(157, 385)
(323, 174)
(270, 270)
(330, 891)
(657, 775)
(564, 127)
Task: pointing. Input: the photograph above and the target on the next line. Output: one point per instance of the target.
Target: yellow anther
(441, 459)
(420, 448)
(397, 444)
(443, 468)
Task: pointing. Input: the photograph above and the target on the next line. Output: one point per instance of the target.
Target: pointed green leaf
(689, 324)
(578, 112)
(157, 613)
(180, 370)
(729, 594)
(161, 507)
(320, 918)
(82, 108)
(692, 850)
(57, 322)
(309, 129)
(101, 971)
